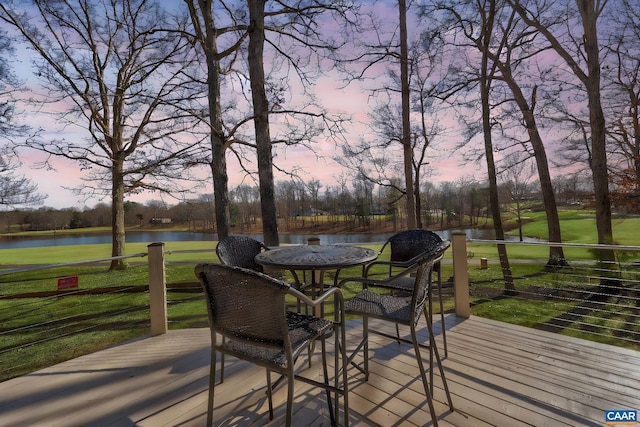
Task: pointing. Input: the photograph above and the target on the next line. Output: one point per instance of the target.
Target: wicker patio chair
(405, 248)
(404, 310)
(248, 309)
(240, 251)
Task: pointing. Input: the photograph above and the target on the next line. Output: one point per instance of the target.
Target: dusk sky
(445, 163)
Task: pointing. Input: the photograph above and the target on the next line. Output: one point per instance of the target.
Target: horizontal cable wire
(604, 296)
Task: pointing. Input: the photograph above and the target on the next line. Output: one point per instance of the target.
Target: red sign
(68, 282)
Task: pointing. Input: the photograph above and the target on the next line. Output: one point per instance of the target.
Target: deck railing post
(157, 289)
(460, 274)
(317, 275)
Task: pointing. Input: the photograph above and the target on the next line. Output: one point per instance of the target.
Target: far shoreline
(301, 230)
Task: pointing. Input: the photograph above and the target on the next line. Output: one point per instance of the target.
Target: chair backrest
(421, 288)
(240, 251)
(408, 244)
(245, 305)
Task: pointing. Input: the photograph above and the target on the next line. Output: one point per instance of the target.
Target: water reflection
(14, 242)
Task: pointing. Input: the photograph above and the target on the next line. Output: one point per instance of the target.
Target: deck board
(499, 374)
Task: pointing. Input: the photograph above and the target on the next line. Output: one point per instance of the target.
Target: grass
(525, 313)
(33, 329)
(561, 301)
(579, 226)
(77, 253)
(104, 229)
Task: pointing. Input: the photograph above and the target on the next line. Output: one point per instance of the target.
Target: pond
(15, 242)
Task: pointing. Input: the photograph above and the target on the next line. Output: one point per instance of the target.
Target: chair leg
(212, 385)
(429, 319)
(432, 345)
(365, 337)
(423, 375)
(270, 394)
(222, 364)
(442, 325)
(325, 374)
(345, 377)
(363, 346)
(290, 385)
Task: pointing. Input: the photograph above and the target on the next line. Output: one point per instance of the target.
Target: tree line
(162, 89)
(355, 206)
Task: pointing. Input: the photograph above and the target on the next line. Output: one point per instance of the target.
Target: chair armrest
(320, 300)
(317, 301)
(382, 283)
(436, 254)
(390, 264)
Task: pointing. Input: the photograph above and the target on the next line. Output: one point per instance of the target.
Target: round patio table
(317, 259)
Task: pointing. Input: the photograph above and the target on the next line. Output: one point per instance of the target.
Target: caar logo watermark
(620, 417)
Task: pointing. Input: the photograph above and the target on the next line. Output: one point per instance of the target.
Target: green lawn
(33, 328)
(579, 226)
(75, 253)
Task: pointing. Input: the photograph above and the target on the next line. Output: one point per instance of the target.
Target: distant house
(160, 221)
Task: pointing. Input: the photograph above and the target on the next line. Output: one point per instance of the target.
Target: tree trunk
(636, 145)
(416, 190)
(202, 17)
(218, 151)
(597, 122)
(485, 85)
(556, 254)
(635, 149)
(117, 215)
(406, 124)
(598, 135)
(261, 123)
(589, 13)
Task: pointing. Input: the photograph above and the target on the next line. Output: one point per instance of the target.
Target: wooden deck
(499, 374)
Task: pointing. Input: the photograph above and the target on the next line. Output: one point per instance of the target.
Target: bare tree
(581, 53)
(406, 124)
(489, 15)
(424, 53)
(118, 74)
(621, 87)
(15, 190)
(371, 159)
(382, 41)
(9, 83)
(314, 189)
(248, 199)
(292, 31)
(209, 36)
(511, 58)
(289, 34)
(261, 121)
(516, 181)
(478, 26)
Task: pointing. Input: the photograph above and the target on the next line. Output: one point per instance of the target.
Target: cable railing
(42, 324)
(584, 298)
